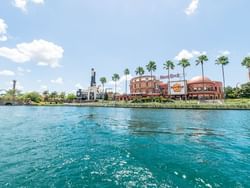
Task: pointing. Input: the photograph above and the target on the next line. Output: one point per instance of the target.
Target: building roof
(198, 79)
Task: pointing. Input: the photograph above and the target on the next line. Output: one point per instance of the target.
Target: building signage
(162, 77)
(177, 88)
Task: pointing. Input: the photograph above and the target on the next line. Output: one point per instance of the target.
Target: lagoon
(117, 147)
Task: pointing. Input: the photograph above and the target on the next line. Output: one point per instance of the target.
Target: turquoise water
(113, 147)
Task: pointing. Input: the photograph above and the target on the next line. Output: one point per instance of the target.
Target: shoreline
(184, 106)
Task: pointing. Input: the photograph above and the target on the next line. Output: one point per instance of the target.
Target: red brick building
(146, 86)
(212, 89)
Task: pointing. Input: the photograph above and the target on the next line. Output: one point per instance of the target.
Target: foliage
(159, 99)
(222, 60)
(242, 92)
(201, 59)
(246, 62)
(71, 97)
(139, 71)
(115, 77)
(184, 63)
(106, 97)
(168, 65)
(32, 96)
(103, 80)
(232, 93)
(151, 67)
(245, 90)
(126, 72)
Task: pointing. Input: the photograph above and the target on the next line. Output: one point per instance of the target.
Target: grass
(230, 105)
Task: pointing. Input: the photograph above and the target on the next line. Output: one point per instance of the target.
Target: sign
(177, 88)
(162, 77)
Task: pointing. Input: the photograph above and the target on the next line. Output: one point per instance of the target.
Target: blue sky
(53, 44)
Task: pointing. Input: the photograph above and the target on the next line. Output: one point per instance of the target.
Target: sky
(53, 44)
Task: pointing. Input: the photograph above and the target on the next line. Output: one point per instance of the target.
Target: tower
(14, 90)
(93, 75)
(92, 90)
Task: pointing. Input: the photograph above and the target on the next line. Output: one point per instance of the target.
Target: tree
(232, 93)
(168, 65)
(151, 67)
(246, 63)
(126, 73)
(70, 97)
(223, 61)
(245, 90)
(45, 96)
(115, 78)
(53, 96)
(62, 96)
(33, 96)
(103, 80)
(184, 63)
(200, 61)
(139, 71)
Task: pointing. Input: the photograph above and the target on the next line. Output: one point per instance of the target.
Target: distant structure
(14, 91)
(93, 75)
(92, 90)
(196, 88)
(92, 93)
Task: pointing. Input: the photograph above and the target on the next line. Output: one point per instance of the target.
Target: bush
(106, 97)
(33, 96)
(152, 99)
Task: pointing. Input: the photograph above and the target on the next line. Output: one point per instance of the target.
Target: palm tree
(126, 73)
(103, 80)
(53, 96)
(151, 67)
(246, 63)
(139, 71)
(201, 59)
(115, 78)
(62, 96)
(184, 63)
(223, 61)
(169, 65)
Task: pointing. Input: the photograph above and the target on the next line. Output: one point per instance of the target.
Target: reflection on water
(109, 147)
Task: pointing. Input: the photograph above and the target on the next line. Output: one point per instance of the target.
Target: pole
(185, 83)
(223, 81)
(169, 89)
(126, 85)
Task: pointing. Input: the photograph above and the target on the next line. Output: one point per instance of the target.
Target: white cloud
(57, 81)
(42, 52)
(192, 7)
(3, 30)
(7, 73)
(225, 53)
(184, 54)
(22, 4)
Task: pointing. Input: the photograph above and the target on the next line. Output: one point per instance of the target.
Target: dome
(198, 79)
